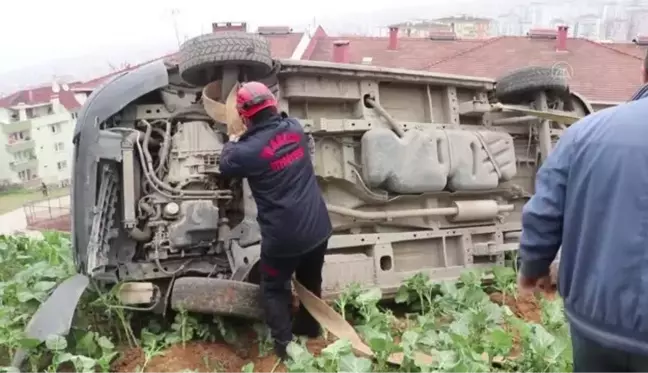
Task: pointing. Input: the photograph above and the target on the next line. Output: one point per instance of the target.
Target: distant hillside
(80, 67)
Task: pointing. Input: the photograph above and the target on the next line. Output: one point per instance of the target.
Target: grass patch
(14, 199)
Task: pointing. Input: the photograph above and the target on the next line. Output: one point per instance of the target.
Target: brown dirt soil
(526, 307)
(207, 357)
(197, 356)
(210, 357)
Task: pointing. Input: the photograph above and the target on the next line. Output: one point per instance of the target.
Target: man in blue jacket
(273, 154)
(591, 198)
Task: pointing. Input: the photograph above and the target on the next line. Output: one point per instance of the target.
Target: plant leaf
(353, 364)
(55, 343)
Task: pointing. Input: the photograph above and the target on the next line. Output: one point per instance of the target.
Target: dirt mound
(206, 357)
(194, 356)
(526, 307)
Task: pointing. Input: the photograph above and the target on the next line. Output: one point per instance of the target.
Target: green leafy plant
(152, 345)
(505, 281)
(336, 357)
(418, 292)
(454, 322)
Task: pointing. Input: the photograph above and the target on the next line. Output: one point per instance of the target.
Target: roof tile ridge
(461, 53)
(609, 48)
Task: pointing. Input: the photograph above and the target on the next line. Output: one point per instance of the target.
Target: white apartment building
(36, 130)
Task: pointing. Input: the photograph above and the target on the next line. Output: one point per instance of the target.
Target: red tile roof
(283, 46)
(32, 96)
(68, 100)
(599, 72)
(412, 53)
(39, 96)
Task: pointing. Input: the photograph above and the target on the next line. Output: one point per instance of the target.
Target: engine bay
(175, 205)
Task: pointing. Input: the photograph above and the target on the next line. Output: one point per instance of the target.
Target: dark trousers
(276, 275)
(591, 356)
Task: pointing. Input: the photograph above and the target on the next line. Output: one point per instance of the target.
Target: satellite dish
(55, 87)
(66, 87)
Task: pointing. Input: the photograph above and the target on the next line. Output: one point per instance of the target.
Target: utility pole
(174, 15)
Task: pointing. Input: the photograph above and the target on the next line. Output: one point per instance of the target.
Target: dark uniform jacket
(274, 156)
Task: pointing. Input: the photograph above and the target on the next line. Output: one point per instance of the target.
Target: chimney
(442, 35)
(274, 30)
(641, 40)
(561, 38)
(393, 38)
(341, 51)
(542, 33)
(229, 26)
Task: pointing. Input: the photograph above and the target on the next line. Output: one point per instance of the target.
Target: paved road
(13, 221)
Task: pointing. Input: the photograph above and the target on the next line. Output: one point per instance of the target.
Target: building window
(26, 175)
(24, 155)
(56, 127)
(58, 146)
(62, 165)
(75, 115)
(18, 136)
(50, 109)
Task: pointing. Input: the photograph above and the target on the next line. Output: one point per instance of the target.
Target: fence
(49, 214)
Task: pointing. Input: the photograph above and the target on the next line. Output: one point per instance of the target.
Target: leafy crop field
(464, 326)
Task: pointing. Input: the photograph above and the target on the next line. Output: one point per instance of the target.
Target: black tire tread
(217, 296)
(523, 84)
(218, 49)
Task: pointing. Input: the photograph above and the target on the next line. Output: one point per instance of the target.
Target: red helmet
(253, 97)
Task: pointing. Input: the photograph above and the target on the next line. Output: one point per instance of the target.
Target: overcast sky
(79, 40)
(39, 30)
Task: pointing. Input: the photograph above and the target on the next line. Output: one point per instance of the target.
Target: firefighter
(591, 199)
(273, 154)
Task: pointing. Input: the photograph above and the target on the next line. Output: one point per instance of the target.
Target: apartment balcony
(21, 125)
(20, 145)
(35, 122)
(29, 164)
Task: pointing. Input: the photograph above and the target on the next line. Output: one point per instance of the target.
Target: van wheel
(202, 58)
(522, 85)
(217, 296)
